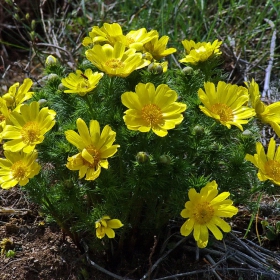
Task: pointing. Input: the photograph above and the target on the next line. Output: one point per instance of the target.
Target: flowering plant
(145, 139)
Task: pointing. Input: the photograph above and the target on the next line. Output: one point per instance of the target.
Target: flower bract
(114, 60)
(204, 211)
(226, 104)
(81, 83)
(17, 168)
(199, 52)
(28, 127)
(152, 108)
(268, 164)
(94, 148)
(105, 225)
(266, 113)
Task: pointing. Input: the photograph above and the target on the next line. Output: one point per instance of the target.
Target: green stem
(73, 235)
(89, 106)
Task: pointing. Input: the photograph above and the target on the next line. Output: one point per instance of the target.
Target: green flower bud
(151, 67)
(50, 60)
(16, 16)
(187, 70)
(159, 69)
(165, 159)
(52, 77)
(214, 147)
(42, 102)
(198, 130)
(247, 132)
(32, 35)
(27, 16)
(142, 157)
(33, 24)
(61, 87)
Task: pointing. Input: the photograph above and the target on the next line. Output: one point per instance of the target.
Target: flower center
(129, 40)
(272, 169)
(152, 114)
(96, 156)
(114, 63)
(30, 132)
(83, 85)
(224, 111)
(19, 170)
(203, 213)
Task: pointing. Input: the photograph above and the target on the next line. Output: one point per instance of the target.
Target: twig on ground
(115, 276)
(213, 263)
(163, 257)
(266, 89)
(57, 47)
(151, 254)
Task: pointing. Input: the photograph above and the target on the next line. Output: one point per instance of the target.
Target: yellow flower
(137, 38)
(204, 211)
(28, 127)
(105, 225)
(266, 113)
(18, 94)
(226, 104)
(115, 61)
(199, 52)
(17, 168)
(268, 164)
(81, 83)
(150, 108)
(157, 47)
(94, 149)
(109, 33)
(50, 60)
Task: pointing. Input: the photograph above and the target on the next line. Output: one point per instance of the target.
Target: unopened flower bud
(42, 102)
(198, 130)
(165, 159)
(27, 16)
(214, 147)
(61, 87)
(32, 35)
(33, 24)
(187, 70)
(159, 69)
(151, 67)
(50, 60)
(52, 77)
(247, 132)
(16, 16)
(142, 157)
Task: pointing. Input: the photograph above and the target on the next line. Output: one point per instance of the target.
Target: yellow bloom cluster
(24, 127)
(200, 52)
(117, 54)
(150, 108)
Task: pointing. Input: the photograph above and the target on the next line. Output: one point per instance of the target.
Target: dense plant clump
(124, 147)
